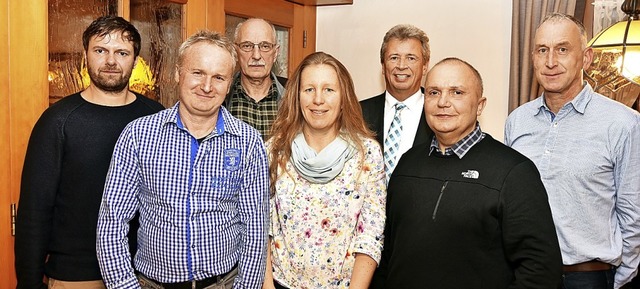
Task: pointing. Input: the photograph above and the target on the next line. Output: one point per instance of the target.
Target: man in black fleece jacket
(466, 211)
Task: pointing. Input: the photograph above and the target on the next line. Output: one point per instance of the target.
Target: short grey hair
(208, 37)
(557, 17)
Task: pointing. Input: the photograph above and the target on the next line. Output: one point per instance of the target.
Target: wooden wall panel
(29, 86)
(305, 26)
(277, 12)
(124, 9)
(24, 87)
(7, 278)
(215, 16)
(203, 14)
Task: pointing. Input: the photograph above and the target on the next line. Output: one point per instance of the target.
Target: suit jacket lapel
(424, 132)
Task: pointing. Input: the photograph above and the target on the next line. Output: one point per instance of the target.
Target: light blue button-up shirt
(203, 205)
(588, 156)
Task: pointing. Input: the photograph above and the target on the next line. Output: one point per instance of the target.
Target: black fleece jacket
(482, 221)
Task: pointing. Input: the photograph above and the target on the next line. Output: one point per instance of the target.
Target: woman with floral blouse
(328, 184)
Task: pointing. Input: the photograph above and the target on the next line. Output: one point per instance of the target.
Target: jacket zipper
(435, 210)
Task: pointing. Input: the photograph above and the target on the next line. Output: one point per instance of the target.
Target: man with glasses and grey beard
(256, 91)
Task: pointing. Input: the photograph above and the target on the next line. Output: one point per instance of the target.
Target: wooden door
(24, 91)
(300, 19)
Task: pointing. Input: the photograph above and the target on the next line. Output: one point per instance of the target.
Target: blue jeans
(588, 280)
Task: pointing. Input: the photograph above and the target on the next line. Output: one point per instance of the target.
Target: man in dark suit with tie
(397, 115)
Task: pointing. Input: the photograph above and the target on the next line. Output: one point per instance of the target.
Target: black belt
(197, 284)
(589, 266)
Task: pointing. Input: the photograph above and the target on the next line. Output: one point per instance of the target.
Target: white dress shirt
(410, 117)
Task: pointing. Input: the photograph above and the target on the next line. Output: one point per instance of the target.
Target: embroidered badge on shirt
(470, 174)
(231, 159)
(225, 183)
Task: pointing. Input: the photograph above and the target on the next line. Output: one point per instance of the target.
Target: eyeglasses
(263, 46)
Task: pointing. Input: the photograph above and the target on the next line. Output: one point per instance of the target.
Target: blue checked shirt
(588, 156)
(203, 206)
(461, 147)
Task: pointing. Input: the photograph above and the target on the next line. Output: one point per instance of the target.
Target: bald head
(476, 79)
(453, 100)
(258, 25)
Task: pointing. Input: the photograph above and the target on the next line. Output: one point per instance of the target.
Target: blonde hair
(209, 37)
(290, 120)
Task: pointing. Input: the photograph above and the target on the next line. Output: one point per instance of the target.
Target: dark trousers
(588, 280)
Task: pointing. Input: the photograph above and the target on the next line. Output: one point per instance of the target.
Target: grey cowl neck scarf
(322, 167)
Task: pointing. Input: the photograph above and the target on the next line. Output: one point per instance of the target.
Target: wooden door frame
(25, 87)
(301, 19)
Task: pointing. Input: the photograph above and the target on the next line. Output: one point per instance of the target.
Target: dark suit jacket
(373, 112)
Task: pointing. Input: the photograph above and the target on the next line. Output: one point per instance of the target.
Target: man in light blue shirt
(587, 149)
(199, 179)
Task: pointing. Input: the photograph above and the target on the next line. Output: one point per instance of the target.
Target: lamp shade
(622, 38)
(617, 35)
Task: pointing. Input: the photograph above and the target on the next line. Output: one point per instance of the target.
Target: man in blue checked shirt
(198, 177)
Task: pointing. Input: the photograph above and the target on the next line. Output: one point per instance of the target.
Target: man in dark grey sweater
(67, 161)
(466, 211)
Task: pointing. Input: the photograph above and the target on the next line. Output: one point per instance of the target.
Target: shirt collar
(411, 101)
(461, 147)
(582, 99)
(223, 123)
(236, 87)
(579, 103)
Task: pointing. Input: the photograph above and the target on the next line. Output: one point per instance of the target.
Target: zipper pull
(435, 210)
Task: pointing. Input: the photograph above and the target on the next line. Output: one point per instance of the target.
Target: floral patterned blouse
(317, 228)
